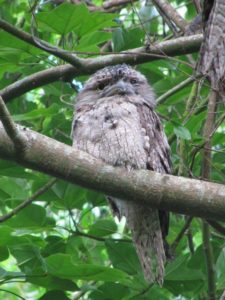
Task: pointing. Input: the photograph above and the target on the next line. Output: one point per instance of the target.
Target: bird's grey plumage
(115, 121)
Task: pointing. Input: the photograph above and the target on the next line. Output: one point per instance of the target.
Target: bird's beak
(119, 88)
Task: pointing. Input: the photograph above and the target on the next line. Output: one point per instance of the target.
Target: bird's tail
(147, 237)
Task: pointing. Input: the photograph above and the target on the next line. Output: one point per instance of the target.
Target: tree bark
(162, 50)
(173, 193)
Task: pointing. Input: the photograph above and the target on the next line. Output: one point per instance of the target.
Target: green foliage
(66, 245)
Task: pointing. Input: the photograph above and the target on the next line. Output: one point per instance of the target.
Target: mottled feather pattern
(115, 121)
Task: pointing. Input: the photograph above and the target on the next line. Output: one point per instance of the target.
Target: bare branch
(41, 78)
(206, 174)
(175, 89)
(28, 201)
(107, 6)
(181, 233)
(197, 4)
(136, 56)
(217, 226)
(167, 192)
(10, 127)
(171, 13)
(100, 239)
(24, 36)
(112, 3)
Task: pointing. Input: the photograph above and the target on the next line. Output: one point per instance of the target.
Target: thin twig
(181, 233)
(10, 292)
(28, 201)
(190, 241)
(98, 238)
(11, 129)
(175, 89)
(217, 226)
(209, 261)
(206, 174)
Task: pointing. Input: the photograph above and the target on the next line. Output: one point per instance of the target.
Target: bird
(115, 121)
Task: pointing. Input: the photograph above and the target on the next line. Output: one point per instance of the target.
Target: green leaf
(4, 253)
(8, 275)
(33, 216)
(127, 39)
(220, 268)
(110, 290)
(55, 244)
(103, 228)
(6, 235)
(64, 18)
(61, 265)
(11, 169)
(14, 49)
(51, 282)
(69, 195)
(14, 188)
(56, 295)
(29, 258)
(123, 256)
(89, 42)
(37, 113)
(68, 17)
(182, 133)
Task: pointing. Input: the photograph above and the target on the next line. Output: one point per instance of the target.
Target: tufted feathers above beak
(119, 88)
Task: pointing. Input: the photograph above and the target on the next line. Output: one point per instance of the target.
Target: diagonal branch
(38, 43)
(28, 201)
(167, 192)
(171, 13)
(107, 6)
(179, 46)
(181, 233)
(10, 127)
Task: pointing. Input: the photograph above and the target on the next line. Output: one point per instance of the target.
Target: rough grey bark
(212, 54)
(173, 193)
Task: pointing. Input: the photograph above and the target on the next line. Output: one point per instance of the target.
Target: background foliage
(66, 244)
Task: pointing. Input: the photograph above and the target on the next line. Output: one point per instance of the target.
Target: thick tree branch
(171, 13)
(179, 46)
(177, 194)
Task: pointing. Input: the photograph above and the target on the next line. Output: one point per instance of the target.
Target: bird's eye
(133, 81)
(101, 86)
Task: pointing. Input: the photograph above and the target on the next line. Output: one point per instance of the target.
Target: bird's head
(118, 80)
